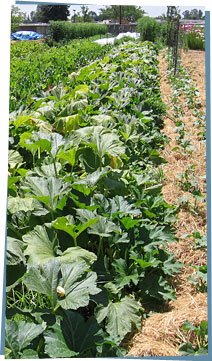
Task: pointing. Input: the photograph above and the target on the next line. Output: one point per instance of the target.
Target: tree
(173, 12)
(17, 17)
(93, 16)
(45, 13)
(77, 18)
(194, 14)
(129, 12)
(85, 14)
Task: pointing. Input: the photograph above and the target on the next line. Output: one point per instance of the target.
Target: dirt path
(161, 334)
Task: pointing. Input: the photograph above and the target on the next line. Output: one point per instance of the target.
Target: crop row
(65, 31)
(35, 67)
(87, 223)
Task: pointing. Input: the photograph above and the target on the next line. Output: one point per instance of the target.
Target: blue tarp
(26, 35)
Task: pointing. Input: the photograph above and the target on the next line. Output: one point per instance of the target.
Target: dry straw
(161, 333)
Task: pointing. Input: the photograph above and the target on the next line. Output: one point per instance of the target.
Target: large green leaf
(27, 142)
(16, 204)
(46, 190)
(15, 251)
(103, 227)
(158, 233)
(102, 119)
(75, 279)
(14, 158)
(120, 316)
(93, 178)
(156, 286)
(81, 335)
(124, 276)
(128, 222)
(51, 142)
(104, 142)
(78, 285)
(57, 141)
(29, 354)
(21, 120)
(44, 279)
(55, 344)
(46, 170)
(18, 335)
(171, 266)
(42, 245)
(119, 205)
(71, 336)
(69, 156)
(77, 254)
(81, 89)
(67, 224)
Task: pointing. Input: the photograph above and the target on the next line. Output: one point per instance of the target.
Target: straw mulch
(161, 333)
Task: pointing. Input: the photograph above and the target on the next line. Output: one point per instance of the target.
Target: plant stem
(56, 308)
(100, 246)
(55, 169)
(75, 242)
(52, 213)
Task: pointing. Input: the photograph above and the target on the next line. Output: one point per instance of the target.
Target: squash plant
(88, 227)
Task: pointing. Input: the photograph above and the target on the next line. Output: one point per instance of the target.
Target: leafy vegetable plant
(88, 227)
(200, 343)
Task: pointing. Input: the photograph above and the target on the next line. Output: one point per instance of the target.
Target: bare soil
(161, 333)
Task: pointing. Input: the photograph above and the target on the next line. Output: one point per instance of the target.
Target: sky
(152, 11)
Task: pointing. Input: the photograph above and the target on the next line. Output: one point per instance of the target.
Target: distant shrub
(164, 32)
(65, 31)
(148, 28)
(194, 38)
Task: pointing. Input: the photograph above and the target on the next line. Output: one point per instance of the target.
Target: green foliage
(46, 13)
(193, 14)
(199, 346)
(148, 28)
(17, 17)
(128, 12)
(88, 227)
(164, 29)
(35, 67)
(195, 39)
(199, 278)
(18, 335)
(65, 31)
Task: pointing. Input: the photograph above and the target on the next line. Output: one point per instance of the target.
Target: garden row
(88, 226)
(66, 31)
(36, 67)
(190, 36)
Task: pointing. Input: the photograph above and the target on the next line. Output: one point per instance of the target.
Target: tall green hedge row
(65, 31)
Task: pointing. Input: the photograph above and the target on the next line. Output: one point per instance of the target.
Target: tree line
(45, 13)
